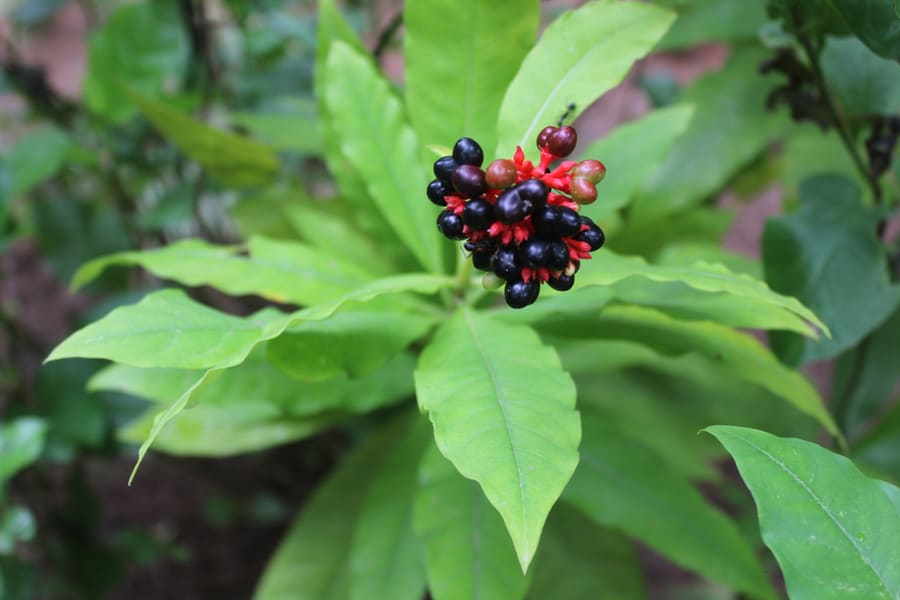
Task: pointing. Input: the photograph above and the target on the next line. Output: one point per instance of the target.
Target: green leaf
(455, 83)
(579, 57)
(351, 343)
(524, 450)
(330, 545)
(234, 160)
(141, 47)
(736, 353)
(833, 530)
(32, 160)
(285, 272)
(880, 448)
(700, 21)
(21, 442)
(383, 149)
(729, 128)
(809, 151)
(621, 483)
(827, 255)
(875, 22)
(294, 131)
(860, 82)
(467, 549)
(579, 559)
(631, 153)
(17, 524)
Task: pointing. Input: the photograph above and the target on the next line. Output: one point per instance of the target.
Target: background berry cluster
(520, 220)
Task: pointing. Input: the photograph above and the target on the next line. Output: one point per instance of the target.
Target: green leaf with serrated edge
(608, 268)
(467, 550)
(833, 530)
(827, 254)
(21, 442)
(580, 559)
(280, 271)
(383, 149)
(700, 21)
(621, 483)
(737, 353)
(861, 83)
(353, 342)
(875, 22)
(526, 446)
(455, 83)
(314, 557)
(729, 128)
(579, 57)
(631, 153)
(142, 46)
(234, 160)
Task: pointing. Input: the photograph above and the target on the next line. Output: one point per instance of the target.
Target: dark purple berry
(562, 141)
(466, 151)
(556, 221)
(557, 255)
(519, 294)
(469, 181)
(482, 261)
(505, 263)
(534, 252)
(563, 283)
(451, 225)
(436, 192)
(593, 235)
(569, 222)
(510, 207)
(534, 191)
(478, 214)
(485, 245)
(444, 168)
(544, 136)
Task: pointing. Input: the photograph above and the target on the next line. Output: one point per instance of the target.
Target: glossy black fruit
(519, 294)
(556, 221)
(466, 151)
(482, 261)
(469, 181)
(569, 222)
(444, 168)
(436, 192)
(478, 214)
(534, 252)
(451, 225)
(534, 191)
(510, 207)
(557, 255)
(505, 263)
(593, 235)
(563, 283)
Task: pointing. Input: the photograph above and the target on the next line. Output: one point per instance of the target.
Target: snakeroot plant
(500, 453)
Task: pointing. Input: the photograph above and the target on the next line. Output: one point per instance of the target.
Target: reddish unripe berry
(501, 174)
(562, 141)
(592, 170)
(469, 181)
(583, 191)
(544, 136)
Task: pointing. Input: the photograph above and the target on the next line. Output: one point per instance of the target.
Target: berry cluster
(520, 220)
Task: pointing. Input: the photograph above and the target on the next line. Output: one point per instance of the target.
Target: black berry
(444, 168)
(534, 191)
(534, 252)
(510, 207)
(505, 264)
(485, 245)
(519, 294)
(556, 221)
(466, 151)
(482, 261)
(436, 192)
(569, 222)
(557, 255)
(563, 283)
(593, 235)
(451, 225)
(469, 181)
(478, 214)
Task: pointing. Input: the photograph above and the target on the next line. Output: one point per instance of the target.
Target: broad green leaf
(351, 343)
(700, 21)
(579, 57)
(297, 132)
(468, 553)
(827, 255)
(32, 160)
(750, 302)
(524, 450)
(861, 83)
(232, 159)
(866, 375)
(621, 483)
(383, 149)
(580, 559)
(286, 272)
(631, 153)
(314, 558)
(880, 448)
(143, 47)
(455, 83)
(21, 442)
(809, 151)
(833, 530)
(729, 128)
(736, 353)
(875, 22)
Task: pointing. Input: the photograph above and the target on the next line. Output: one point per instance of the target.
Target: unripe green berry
(592, 170)
(583, 191)
(490, 281)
